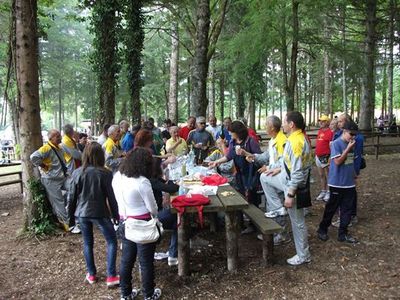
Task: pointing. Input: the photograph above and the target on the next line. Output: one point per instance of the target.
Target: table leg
(268, 248)
(231, 227)
(184, 246)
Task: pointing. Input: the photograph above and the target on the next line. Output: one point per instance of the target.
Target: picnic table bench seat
(19, 180)
(266, 226)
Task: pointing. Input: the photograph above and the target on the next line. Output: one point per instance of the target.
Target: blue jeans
(169, 221)
(145, 253)
(107, 229)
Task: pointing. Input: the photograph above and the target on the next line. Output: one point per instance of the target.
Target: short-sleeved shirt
(341, 176)
(324, 137)
(184, 132)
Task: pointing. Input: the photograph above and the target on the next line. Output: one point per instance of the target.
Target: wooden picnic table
(230, 205)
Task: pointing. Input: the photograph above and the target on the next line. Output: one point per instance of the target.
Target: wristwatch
(291, 195)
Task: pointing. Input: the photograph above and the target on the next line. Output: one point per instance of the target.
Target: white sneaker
(260, 237)
(296, 260)
(76, 229)
(160, 255)
(172, 261)
(275, 213)
(279, 239)
(327, 196)
(321, 196)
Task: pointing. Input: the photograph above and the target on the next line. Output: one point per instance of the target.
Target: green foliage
(42, 223)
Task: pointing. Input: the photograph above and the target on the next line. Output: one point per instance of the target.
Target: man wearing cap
(341, 182)
(200, 140)
(322, 153)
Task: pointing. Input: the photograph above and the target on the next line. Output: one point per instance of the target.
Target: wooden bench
(19, 173)
(266, 226)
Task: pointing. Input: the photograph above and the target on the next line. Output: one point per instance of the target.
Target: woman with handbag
(137, 205)
(92, 202)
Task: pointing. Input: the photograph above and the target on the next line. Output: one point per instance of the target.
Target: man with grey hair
(112, 149)
(72, 155)
(54, 174)
(200, 140)
(269, 160)
(124, 127)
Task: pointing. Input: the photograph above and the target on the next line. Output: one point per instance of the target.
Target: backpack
(197, 200)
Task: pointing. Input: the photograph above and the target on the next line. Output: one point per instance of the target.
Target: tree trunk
(60, 109)
(222, 95)
(173, 79)
(134, 39)
(384, 87)
(390, 67)
(28, 88)
(283, 50)
(325, 108)
(252, 110)
(199, 101)
(188, 96)
(343, 60)
(105, 20)
(211, 104)
(240, 105)
(293, 59)
(368, 98)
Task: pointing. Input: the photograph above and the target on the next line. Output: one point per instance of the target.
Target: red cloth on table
(197, 200)
(214, 179)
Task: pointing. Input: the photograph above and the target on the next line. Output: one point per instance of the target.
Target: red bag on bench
(197, 200)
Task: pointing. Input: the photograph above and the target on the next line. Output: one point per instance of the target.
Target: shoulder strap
(64, 168)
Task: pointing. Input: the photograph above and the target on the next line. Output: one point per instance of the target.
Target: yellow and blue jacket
(297, 158)
(112, 153)
(46, 156)
(71, 152)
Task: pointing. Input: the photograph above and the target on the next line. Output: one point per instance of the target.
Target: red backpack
(197, 200)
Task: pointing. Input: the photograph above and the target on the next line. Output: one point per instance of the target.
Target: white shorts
(320, 164)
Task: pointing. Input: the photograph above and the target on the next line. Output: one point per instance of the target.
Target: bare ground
(54, 268)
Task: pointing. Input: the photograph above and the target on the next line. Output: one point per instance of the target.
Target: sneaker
(296, 260)
(353, 221)
(91, 278)
(348, 239)
(76, 229)
(275, 213)
(336, 223)
(172, 261)
(160, 255)
(327, 196)
(132, 296)
(279, 239)
(247, 230)
(321, 196)
(260, 237)
(112, 281)
(156, 295)
(323, 236)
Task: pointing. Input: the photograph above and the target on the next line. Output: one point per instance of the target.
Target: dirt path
(54, 268)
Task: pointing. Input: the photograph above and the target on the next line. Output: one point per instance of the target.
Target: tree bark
(293, 58)
(252, 110)
(240, 105)
(28, 87)
(211, 104)
(325, 108)
(390, 66)
(222, 95)
(344, 95)
(368, 82)
(199, 101)
(173, 79)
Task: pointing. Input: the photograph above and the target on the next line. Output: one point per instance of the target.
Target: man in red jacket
(184, 131)
(322, 154)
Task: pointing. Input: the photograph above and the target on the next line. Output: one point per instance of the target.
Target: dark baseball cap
(350, 126)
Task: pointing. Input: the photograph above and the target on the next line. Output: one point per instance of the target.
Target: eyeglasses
(352, 133)
(202, 123)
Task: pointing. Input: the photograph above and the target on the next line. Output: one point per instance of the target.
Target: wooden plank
(214, 206)
(11, 173)
(263, 224)
(10, 182)
(232, 202)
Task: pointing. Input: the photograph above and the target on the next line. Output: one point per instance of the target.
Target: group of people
(121, 176)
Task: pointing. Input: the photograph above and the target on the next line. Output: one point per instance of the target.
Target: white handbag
(143, 232)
